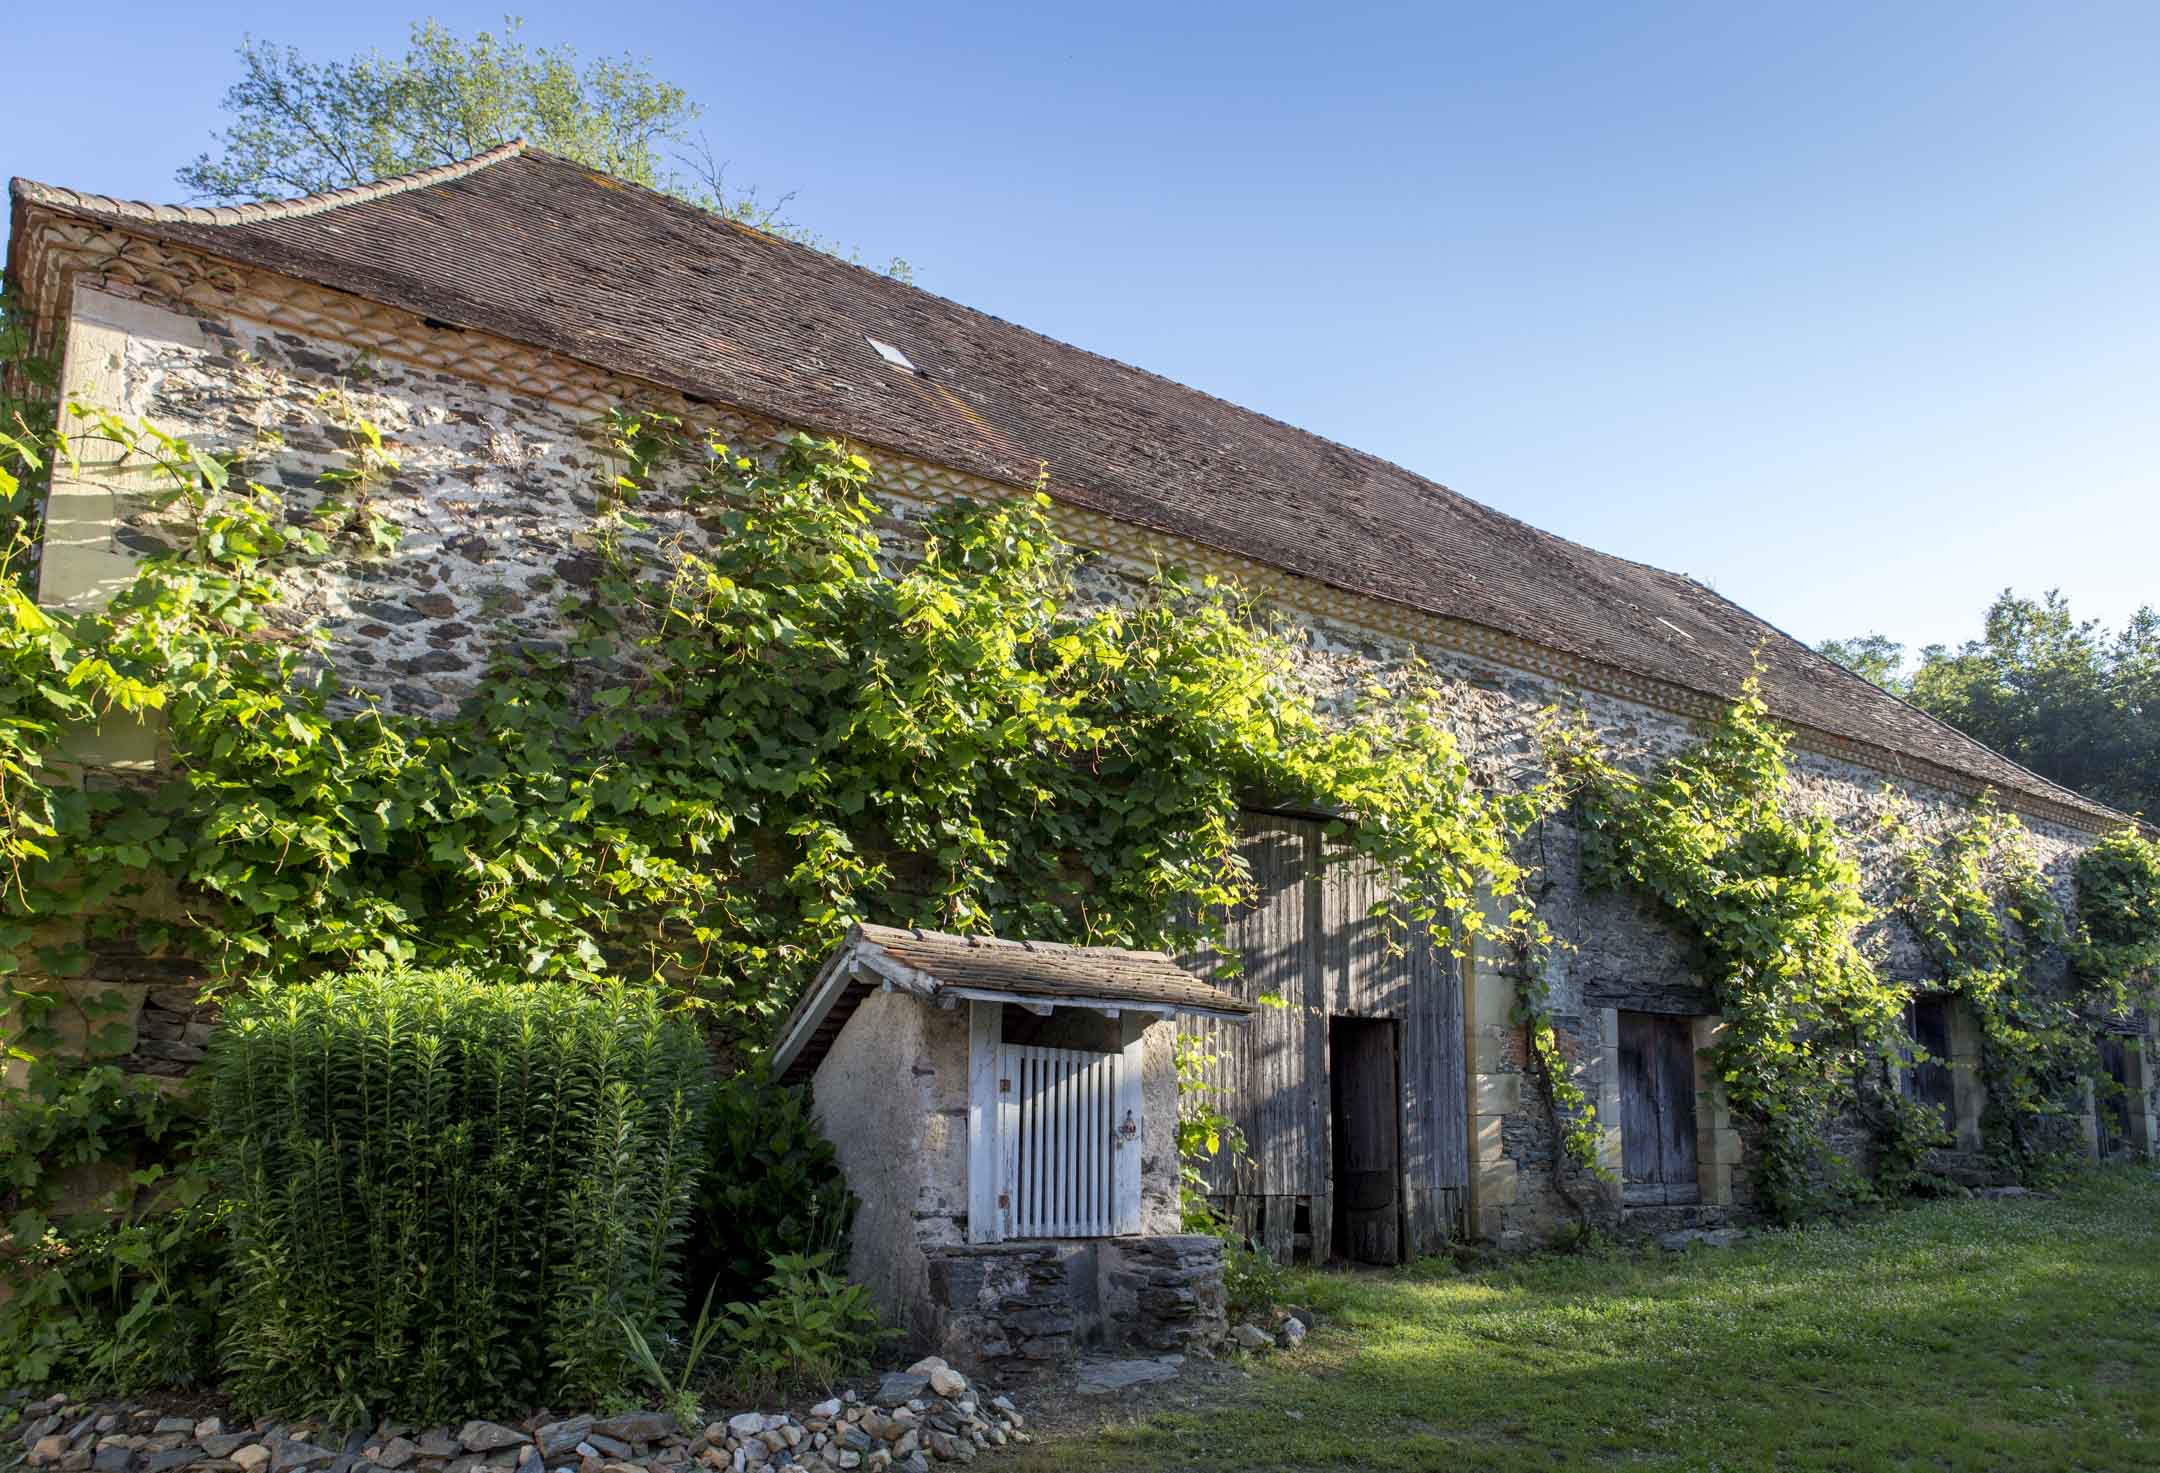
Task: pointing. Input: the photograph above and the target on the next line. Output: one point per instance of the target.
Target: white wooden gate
(1053, 1136)
(1061, 1173)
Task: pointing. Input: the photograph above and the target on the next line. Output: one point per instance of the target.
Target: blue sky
(1850, 311)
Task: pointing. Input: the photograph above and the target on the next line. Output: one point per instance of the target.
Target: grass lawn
(1951, 1336)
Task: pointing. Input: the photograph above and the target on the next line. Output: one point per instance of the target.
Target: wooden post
(1132, 1064)
(986, 1176)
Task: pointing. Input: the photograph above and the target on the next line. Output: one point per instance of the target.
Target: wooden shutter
(1053, 1137)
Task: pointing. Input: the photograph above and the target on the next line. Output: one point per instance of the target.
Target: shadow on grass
(1957, 1336)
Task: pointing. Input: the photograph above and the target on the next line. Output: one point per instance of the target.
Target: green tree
(1875, 657)
(2064, 696)
(300, 126)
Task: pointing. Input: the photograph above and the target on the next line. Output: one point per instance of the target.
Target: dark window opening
(1081, 1028)
(1927, 1020)
(2111, 1097)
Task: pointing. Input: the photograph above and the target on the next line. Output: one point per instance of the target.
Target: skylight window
(891, 354)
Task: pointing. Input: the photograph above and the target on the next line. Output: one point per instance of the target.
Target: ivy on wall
(2037, 980)
(764, 721)
(2118, 921)
(1775, 906)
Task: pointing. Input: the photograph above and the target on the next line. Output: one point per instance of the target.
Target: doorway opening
(1927, 1022)
(1365, 1093)
(1657, 1111)
(2112, 1097)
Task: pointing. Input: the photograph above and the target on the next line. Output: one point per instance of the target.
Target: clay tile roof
(935, 964)
(546, 252)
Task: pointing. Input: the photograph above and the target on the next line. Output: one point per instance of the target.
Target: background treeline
(2068, 698)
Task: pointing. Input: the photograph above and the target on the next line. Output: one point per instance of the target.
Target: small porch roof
(944, 968)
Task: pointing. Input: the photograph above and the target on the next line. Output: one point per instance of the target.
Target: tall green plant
(771, 1185)
(448, 1195)
(1774, 903)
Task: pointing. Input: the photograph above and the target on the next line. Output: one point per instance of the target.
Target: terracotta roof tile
(930, 963)
(548, 253)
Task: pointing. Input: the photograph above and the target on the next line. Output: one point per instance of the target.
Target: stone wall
(892, 1097)
(494, 497)
(1016, 1308)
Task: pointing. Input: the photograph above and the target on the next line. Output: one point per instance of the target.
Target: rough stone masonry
(494, 495)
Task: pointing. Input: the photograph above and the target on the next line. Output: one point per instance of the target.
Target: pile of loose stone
(927, 1412)
(1252, 1338)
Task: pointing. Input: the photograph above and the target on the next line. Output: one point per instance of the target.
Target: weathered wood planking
(1367, 1121)
(1657, 1110)
(1382, 971)
(1309, 937)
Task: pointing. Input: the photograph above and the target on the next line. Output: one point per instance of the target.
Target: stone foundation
(1017, 1308)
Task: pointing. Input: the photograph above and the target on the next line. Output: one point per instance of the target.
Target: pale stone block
(1496, 1094)
(1485, 1136)
(1716, 1181)
(83, 563)
(135, 319)
(1493, 997)
(1490, 1049)
(122, 741)
(1495, 1184)
(90, 1018)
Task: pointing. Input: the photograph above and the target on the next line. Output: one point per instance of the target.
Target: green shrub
(448, 1195)
(807, 1327)
(117, 1291)
(1254, 1282)
(771, 1185)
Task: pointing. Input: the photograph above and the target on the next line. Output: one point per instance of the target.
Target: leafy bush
(113, 1291)
(447, 1195)
(771, 1186)
(808, 1326)
(1253, 1280)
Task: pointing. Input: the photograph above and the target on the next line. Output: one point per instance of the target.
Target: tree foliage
(302, 125)
(2064, 696)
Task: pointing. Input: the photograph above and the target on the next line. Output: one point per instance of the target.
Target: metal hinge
(1004, 1086)
(1004, 1199)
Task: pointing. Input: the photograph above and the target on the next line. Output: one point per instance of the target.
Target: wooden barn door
(2111, 1106)
(1313, 943)
(1657, 1110)
(1927, 1019)
(1379, 971)
(1365, 1085)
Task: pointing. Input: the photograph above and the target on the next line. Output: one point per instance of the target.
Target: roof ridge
(2058, 792)
(1425, 486)
(56, 197)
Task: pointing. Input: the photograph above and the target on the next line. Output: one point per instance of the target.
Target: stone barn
(1006, 1115)
(486, 314)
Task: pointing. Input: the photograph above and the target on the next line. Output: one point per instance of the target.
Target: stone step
(1672, 1219)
